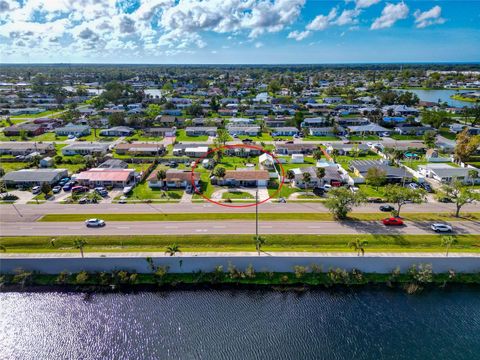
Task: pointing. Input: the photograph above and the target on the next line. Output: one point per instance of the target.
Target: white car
(369, 144)
(94, 223)
(438, 227)
(36, 190)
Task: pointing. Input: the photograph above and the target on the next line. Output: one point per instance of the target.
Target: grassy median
(251, 216)
(230, 243)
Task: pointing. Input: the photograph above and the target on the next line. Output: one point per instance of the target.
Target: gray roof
(113, 164)
(368, 128)
(201, 128)
(33, 175)
(364, 165)
(86, 145)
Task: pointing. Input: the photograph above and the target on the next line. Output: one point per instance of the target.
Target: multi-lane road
(225, 227)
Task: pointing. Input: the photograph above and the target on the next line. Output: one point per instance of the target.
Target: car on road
(95, 223)
(393, 221)
(439, 227)
(386, 208)
(36, 190)
(56, 189)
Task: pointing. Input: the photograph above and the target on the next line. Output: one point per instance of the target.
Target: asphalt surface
(26, 213)
(226, 227)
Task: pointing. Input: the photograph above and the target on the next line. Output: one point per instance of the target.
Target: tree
(399, 196)
(376, 177)
(317, 154)
(290, 175)
(46, 188)
(466, 145)
(341, 200)
(334, 154)
(458, 194)
(473, 174)
(116, 119)
(435, 118)
(429, 139)
(161, 174)
(358, 245)
(223, 136)
(153, 110)
(274, 86)
(220, 172)
(171, 250)
(320, 172)
(306, 177)
(79, 244)
(448, 241)
(195, 110)
(259, 242)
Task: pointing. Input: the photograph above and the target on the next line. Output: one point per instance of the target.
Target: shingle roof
(30, 175)
(247, 174)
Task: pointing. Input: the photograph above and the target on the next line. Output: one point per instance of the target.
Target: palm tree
(448, 241)
(320, 172)
(161, 175)
(290, 176)
(306, 180)
(317, 154)
(79, 244)
(172, 249)
(358, 245)
(334, 154)
(259, 242)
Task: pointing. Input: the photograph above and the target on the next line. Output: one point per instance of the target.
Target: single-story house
(85, 148)
(106, 177)
(326, 131)
(29, 129)
(297, 159)
(24, 148)
(266, 161)
(148, 149)
(113, 164)
(168, 120)
(243, 152)
(244, 130)
(314, 122)
(31, 177)
(343, 149)
(75, 130)
(175, 179)
(194, 150)
(46, 162)
(285, 131)
(117, 131)
(275, 123)
(289, 149)
(245, 177)
(234, 121)
(446, 173)
(408, 129)
(201, 130)
(393, 174)
(353, 121)
(160, 131)
(207, 121)
(400, 110)
(367, 129)
(332, 175)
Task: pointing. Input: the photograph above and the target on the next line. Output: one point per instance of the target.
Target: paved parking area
(23, 196)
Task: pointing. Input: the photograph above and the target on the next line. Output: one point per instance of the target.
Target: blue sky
(238, 31)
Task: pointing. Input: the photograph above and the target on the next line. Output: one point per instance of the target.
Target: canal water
(442, 95)
(210, 324)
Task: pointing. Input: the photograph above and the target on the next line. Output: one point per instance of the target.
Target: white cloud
(258, 44)
(321, 22)
(348, 17)
(430, 17)
(363, 4)
(391, 13)
(298, 35)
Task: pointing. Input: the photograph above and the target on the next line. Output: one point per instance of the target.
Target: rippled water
(442, 95)
(367, 324)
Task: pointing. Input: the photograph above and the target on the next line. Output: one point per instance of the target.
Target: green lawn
(182, 136)
(140, 136)
(12, 166)
(200, 243)
(370, 191)
(321, 138)
(143, 192)
(249, 216)
(406, 137)
(35, 116)
(237, 195)
(262, 137)
(206, 187)
(445, 132)
(364, 138)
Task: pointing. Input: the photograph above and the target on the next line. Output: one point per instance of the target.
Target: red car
(392, 221)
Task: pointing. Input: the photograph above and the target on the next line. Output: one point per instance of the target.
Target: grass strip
(251, 216)
(232, 243)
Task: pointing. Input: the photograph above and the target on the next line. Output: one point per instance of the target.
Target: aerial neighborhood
(229, 135)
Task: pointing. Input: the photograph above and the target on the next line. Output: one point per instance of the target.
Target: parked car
(386, 208)
(318, 191)
(413, 186)
(56, 189)
(95, 223)
(282, 200)
(439, 227)
(392, 221)
(173, 164)
(326, 187)
(79, 189)
(101, 191)
(67, 186)
(123, 200)
(427, 187)
(36, 190)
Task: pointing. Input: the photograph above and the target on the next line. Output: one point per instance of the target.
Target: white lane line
(315, 227)
(25, 228)
(201, 230)
(123, 227)
(266, 226)
(171, 227)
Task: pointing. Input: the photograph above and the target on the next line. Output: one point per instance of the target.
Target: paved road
(225, 227)
(24, 213)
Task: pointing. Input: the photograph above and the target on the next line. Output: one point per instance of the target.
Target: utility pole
(256, 215)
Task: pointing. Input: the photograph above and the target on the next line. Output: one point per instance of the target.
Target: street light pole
(256, 214)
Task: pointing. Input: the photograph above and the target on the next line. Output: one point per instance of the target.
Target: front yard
(182, 136)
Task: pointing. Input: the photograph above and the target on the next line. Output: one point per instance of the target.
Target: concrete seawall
(276, 263)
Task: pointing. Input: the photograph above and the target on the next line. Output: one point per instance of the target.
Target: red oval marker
(192, 179)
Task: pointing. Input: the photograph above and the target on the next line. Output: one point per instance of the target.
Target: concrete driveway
(23, 196)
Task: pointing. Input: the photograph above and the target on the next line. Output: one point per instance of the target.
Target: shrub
(250, 272)
(81, 277)
(300, 271)
(62, 278)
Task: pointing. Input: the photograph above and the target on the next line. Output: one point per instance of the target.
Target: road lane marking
(171, 227)
(123, 227)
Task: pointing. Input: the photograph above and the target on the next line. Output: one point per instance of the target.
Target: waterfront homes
(446, 173)
(244, 130)
(117, 131)
(327, 131)
(138, 149)
(179, 179)
(160, 131)
(289, 149)
(201, 131)
(106, 177)
(393, 174)
(27, 129)
(25, 148)
(285, 131)
(192, 150)
(244, 177)
(84, 148)
(73, 130)
(31, 177)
